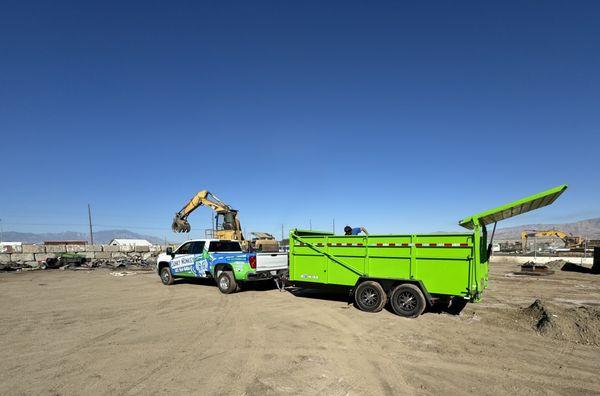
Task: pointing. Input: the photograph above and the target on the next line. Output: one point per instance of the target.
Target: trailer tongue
(412, 271)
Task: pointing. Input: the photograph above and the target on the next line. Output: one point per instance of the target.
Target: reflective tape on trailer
(391, 244)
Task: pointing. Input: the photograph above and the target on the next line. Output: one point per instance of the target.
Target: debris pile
(556, 264)
(134, 262)
(16, 266)
(564, 265)
(533, 269)
(540, 316)
(580, 325)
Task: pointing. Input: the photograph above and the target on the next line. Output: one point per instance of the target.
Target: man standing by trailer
(355, 231)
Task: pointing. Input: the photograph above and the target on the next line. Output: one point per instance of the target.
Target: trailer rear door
(515, 208)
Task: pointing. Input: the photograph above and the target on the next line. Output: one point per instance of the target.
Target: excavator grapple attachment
(180, 224)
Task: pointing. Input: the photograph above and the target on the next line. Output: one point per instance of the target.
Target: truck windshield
(224, 246)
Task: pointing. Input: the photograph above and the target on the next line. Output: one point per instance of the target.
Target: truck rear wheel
(407, 300)
(226, 282)
(165, 276)
(370, 297)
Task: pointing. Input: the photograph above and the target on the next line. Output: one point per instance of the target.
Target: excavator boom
(204, 197)
(571, 241)
(226, 226)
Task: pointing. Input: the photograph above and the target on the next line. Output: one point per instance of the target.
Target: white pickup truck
(222, 260)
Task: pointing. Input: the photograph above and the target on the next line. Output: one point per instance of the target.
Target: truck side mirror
(170, 251)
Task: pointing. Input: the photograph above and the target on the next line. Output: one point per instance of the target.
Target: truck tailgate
(271, 261)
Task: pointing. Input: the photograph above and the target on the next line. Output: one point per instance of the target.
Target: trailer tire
(226, 282)
(370, 296)
(408, 300)
(166, 276)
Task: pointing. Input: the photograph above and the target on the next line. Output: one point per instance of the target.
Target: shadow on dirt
(262, 285)
(340, 294)
(452, 307)
(194, 281)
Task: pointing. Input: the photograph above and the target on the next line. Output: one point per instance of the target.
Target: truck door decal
(182, 264)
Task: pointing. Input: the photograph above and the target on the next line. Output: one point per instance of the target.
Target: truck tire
(407, 300)
(226, 282)
(370, 296)
(165, 276)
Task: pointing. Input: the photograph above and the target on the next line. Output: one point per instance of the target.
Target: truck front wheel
(226, 282)
(165, 276)
(370, 297)
(407, 300)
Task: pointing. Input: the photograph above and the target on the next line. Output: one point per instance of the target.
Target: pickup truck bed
(271, 261)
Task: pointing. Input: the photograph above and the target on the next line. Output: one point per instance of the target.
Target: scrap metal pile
(80, 262)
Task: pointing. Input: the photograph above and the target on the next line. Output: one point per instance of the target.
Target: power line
(85, 225)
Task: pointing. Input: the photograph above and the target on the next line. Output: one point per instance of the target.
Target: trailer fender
(389, 284)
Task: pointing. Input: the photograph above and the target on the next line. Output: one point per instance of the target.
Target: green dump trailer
(411, 271)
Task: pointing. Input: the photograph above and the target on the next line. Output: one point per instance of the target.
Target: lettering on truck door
(182, 262)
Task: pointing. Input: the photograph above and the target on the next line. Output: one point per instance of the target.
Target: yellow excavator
(570, 241)
(227, 225)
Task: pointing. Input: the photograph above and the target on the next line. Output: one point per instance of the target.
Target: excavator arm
(569, 240)
(227, 225)
(202, 198)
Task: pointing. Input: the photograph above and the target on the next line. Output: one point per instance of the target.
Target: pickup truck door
(201, 259)
(183, 261)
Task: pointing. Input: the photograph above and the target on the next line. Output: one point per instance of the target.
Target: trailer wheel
(226, 282)
(165, 276)
(370, 297)
(407, 300)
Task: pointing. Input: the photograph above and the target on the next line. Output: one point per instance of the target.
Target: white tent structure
(129, 242)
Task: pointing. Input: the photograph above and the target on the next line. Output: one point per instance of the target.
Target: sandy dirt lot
(87, 332)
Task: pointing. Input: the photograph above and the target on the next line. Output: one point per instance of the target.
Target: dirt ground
(87, 332)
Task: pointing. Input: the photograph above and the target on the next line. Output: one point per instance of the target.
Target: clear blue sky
(402, 117)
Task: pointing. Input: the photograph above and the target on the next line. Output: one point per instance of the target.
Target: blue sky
(401, 117)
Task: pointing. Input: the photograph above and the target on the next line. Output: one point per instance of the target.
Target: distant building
(129, 242)
(9, 247)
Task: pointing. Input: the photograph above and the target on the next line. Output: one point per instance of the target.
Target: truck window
(184, 249)
(197, 247)
(224, 246)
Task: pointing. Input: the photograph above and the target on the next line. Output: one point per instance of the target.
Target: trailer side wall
(445, 264)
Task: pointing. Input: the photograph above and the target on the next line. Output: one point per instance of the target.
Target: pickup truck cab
(222, 260)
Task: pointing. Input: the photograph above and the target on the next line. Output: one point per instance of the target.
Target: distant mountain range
(100, 237)
(587, 228)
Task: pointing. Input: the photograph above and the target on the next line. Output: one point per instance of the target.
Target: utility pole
(90, 220)
(1, 231)
(282, 232)
(310, 224)
(333, 226)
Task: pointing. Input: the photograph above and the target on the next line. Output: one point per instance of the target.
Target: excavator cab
(226, 221)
